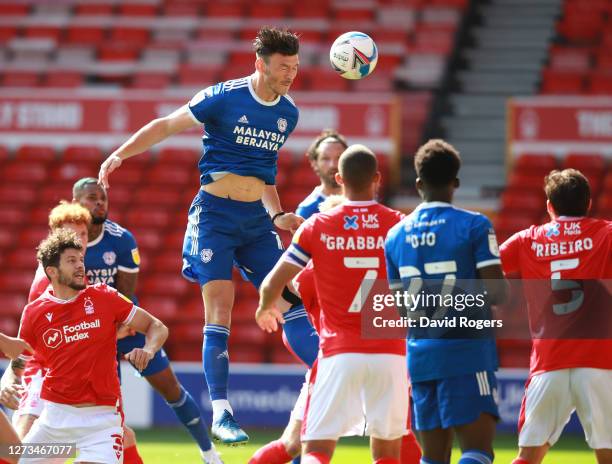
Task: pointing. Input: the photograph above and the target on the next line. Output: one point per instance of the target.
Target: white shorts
(31, 403)
(97, 432)
(551, 397)
(300, 405)
(357, 394)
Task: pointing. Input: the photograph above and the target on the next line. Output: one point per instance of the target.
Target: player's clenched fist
(109, 165)
(289, 221)
(139, 357)
(268, 319)
(10, 395)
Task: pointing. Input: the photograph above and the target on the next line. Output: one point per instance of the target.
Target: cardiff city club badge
(282, 124)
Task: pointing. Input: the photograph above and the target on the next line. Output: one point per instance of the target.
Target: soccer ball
(353, 55)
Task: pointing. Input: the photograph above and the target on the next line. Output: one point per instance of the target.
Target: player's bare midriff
(235, 187)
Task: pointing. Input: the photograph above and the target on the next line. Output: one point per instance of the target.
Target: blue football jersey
(438, 241)
(242, 133)
(113, 250)
(310, 204)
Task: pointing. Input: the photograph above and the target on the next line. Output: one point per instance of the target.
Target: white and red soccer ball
(353, 55)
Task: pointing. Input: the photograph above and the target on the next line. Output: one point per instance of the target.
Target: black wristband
(277, 215)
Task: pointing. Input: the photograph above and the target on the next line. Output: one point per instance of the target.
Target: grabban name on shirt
(353, 243)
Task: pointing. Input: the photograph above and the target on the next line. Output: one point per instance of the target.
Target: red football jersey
(547, 257)
(39, 284)
(346, 245)
(77, 341)
(305, 285)
(38, 287)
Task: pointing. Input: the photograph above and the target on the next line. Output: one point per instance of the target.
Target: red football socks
(272, 453)
(411, 451)
(315, 458)
(131, 456)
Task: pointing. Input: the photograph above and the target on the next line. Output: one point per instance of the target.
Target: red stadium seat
(35, 153)
(147, 80)
(157, 195)
(242, 354)
(193, 75)
(51, 194)
(7, 237)
(39, 216)
(147, 217)
(591, 163)
(71, 172)
(603, 207)
(570, 58)
(17, 281)
(24, 172)
(166, 309)
(7, 32)
(18, 193)
(520, 179)
(118, 52)
(181, 9)
(247, 333)
(147, 238)
(507, 224)
(15, 9)
(127, 175)
(173, 241)
(9, 325)
(85, 35)
(183, 156)
(562, 82)
(354, 14)
(176, 176)
(535, 163)
(225, 10)
(310, 10)
(63, 79)
(22, 258)
(82, 153)
(97, 9)
(323, 80)
(523, 202)
(266, 11)
(13, 303)
(46, 32)
(132, 35)
(168, 284)
(32, 236)
(168, 261)
(12, 215)
(600, 83)
(137, 9)
(4, 153)
(20, 79)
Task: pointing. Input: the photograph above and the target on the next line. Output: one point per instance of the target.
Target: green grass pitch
(174, 446)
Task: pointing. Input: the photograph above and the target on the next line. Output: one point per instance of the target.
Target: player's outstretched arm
(495, 283)
(147, 136)
(267, 316)
(155, 333)
(13, 347)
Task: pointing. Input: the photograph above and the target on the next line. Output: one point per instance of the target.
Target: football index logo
(553, 229)
(52, 338)
(350, 222)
